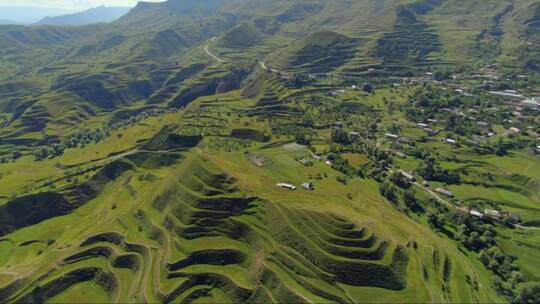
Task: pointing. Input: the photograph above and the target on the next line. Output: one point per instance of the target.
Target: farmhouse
(407, 175)
(450, 141)
(286, 186)
(493, 213)
(422, 125)
(477, 214)
(444, 192)
(308, 186)
(392, 136)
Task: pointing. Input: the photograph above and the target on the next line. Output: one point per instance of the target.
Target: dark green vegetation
(139, 160)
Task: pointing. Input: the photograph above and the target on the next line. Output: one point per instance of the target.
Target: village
(497, 116)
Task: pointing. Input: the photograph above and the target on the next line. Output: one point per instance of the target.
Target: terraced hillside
(191, 232)
(321, 51)
(187, 211)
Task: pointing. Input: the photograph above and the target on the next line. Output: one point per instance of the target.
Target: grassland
(210, 225)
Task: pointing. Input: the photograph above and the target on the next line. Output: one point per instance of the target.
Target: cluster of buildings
(495, 215)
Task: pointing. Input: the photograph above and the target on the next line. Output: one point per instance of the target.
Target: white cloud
(71, 4)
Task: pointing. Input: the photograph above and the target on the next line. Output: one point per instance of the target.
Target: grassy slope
(366, 208)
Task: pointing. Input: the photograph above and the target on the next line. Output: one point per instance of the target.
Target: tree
(500, 149)
(410, 200)
(367, 87)
(40, 153)
(399, 180)
(340, 136)
(16, 154)
(388, 191)
(435, 220)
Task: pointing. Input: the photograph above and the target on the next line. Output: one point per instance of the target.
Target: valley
(249, 151)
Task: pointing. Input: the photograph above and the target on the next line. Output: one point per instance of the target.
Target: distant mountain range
(27, 14)
(93, 15)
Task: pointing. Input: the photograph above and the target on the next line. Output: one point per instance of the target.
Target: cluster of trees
(436, 220)
(509, 281)
(340, 136)
(476, 236)
(299, 80)
(78, 139)
(304, 136)
(84, 137)
(427, 101)
(228, 144)
(51, 151)
(392, 193)
(399, 180)
(340, 164)
(431, 170)
(389, 191)
(141, 116)
(14, 155)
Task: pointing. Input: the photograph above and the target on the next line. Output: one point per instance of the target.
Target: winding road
(216, 58)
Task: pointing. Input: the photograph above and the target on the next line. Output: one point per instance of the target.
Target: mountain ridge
(93, 15)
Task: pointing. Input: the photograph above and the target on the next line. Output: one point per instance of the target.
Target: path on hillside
(210, 53)
(437, 197)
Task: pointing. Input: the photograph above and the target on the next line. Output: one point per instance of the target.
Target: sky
(71, 5)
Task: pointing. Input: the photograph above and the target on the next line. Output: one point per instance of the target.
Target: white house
(493, 213)
(444, 192)
(476, 213)
(407, 175)
(286, 186)
(392, 136)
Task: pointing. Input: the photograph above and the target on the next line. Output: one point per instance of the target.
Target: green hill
(241, 36)
(237, 247)
(317, 52)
